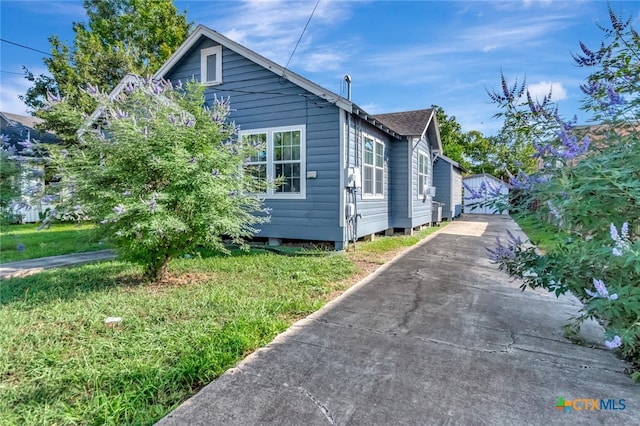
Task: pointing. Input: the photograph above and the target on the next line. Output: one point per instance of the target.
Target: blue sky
(401, 55)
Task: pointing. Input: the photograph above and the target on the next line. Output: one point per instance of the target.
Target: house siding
(422, 209)
(447, 178)
(399, 186)
(442, 172)
(373, 212)
(261, 99)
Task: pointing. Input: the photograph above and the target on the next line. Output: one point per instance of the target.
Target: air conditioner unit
(429, 192)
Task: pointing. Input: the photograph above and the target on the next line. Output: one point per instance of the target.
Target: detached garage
(482, 188)
(447, 178)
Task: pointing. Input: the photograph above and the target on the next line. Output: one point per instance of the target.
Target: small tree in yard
(589, 187)
(9, 180)
(161, 173)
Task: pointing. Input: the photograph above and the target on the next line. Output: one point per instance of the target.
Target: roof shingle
(406, 123)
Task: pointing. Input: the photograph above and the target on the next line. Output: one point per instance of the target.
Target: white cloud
(272, 28)
(69, 8)
(528, 3)
(12, 87)
(322, 61)
(524, 33)
(540, 90)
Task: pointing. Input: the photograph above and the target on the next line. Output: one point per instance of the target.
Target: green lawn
(60, 363)
(21, 242)
(545, 236)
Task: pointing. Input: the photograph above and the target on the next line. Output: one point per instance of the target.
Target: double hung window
(423, 173)
(282, 159)
(372, 167)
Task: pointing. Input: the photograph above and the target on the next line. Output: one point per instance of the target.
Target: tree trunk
(157, 270)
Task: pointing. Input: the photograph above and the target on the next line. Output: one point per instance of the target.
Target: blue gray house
(346, 173)
(447, 178)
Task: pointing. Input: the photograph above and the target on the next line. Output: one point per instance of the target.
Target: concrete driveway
(437, 337)
(24, 268)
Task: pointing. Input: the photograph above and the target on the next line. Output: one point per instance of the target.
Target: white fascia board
(433, 124)
(129, 78)
(436, 131)
(296, 79)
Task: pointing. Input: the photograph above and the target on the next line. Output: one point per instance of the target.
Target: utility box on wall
(353, 177)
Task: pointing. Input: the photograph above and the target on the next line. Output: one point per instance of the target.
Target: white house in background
(19, 129)
(486, 187)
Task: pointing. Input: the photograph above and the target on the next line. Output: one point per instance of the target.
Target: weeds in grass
(61, 364)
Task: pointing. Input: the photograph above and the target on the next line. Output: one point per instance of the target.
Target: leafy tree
(162, 175)
(589, 186)
(120, 37)
(497, 155)
(501, 155)
(454, 143)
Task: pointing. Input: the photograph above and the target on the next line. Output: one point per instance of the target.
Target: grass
(59, 239)
(378, 250)
(61, 364)
(545, 236)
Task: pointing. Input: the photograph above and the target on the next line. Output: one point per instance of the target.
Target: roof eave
(374, 121)
(296, 79)
(453, 163)
(432, 129)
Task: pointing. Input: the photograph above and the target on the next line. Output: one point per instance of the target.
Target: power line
(25, 47)
(303, 30)
(11, 72)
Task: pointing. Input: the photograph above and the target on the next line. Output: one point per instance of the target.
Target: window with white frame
(423, 173)
(372, 167)
(282, 160)
(211, 65)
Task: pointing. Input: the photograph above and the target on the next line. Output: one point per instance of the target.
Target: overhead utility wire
(25, 47)
(303, 30)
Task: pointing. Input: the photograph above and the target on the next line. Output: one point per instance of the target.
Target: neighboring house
(345, 171)
(481, 188)
(21, 132)
(447, 178)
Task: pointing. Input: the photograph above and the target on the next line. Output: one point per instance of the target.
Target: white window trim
(420, 195)
(373, 196)
(271, 193)
(204, 53)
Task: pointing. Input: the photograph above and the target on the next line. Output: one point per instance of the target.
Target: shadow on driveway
(439, 336)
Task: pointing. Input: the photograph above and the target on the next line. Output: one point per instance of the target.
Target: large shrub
(588, 186)
(160, 172)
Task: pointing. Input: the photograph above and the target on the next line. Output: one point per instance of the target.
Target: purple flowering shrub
(587, 185)
(160, 171)
(487, 194)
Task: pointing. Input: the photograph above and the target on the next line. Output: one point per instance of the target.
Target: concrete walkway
(437, 337)
(32, 266)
